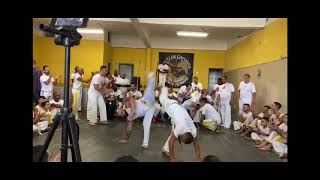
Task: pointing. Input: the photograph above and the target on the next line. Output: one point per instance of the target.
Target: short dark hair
(246, 105)
(44, 67)
(219, 79)
(267, 106)
(103, 67)
(195, 77)
(266, 118)
(36, 153)
(205, 100)
(127, 158)
(211, 158)
(224, 77)
(278, 105)
(187, 138)
(42, 97)
(44, 103)
(75, 68)
(188, 84)
(248, 75)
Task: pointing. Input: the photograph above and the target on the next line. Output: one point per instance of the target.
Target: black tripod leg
(71, 144)
(64, 138)
(74, 139)
(56, 122)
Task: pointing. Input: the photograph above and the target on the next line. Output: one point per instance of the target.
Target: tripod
(70, 128)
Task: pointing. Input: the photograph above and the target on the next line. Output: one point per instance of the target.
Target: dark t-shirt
(36, 79)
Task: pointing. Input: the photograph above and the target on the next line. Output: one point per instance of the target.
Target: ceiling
(126, 32)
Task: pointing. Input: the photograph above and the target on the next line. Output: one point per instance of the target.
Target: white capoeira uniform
(123, 82)
(225, 91)
(162, 76)
(216, 88)
(195, 86)
(95, 101)
(180, 119)
(280, 148)
(46, 90)
(146, 107)
(246, 90)
(55, 111)
(77, 95)
(258, 137)
(136, 94)
(248, 116)
(275, 137)
(212, 117)
(195, 96)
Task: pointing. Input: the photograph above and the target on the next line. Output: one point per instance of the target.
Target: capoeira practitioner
(208, 116)
(214, 93)
(247, 93)
(163, 70)
(144, 106)
(77, 90)
(95, 98)
(183, 128)
(47, 82)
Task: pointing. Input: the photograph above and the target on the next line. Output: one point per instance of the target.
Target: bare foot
(265, 148)
(92, 124)
(145, 146)
(123, 141)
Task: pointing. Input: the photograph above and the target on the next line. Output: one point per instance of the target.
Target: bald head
(186, 138)
(80, 70)
(56, 96)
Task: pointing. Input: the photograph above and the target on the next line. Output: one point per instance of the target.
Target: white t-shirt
(273, 116)
(96, 79)
(246, 90)
(122, 81)
(136, 93)
(209, 112)
(52, 101)
(248, 117)
(225, 91)
(196, 86)
(77, 84)
(163, 67)
(283, 127)
(216, 88)
(264, 130)
(209, 98)
(183, 89)
(141, 109)
(44, 87)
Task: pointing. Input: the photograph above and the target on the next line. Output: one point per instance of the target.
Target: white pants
(280, 148)
(40, 126)
(162, 79)
(225, 110)
(95, 100)
(147, 124)
(47, 94)
(187, 104)
(275, 137)
(166, 145)
(257, 137)
(237, 125)
(159, 109)
(77, 96)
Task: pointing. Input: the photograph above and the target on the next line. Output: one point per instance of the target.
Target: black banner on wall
(180, 68)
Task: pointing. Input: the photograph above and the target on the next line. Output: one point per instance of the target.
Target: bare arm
(48, 80)
(96, 87)
(56, 105)
(253, 99)
(171, 147)
(83, 80)
(197, 148)
(55, 80)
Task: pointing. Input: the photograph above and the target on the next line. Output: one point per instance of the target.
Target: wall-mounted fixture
(259, 73)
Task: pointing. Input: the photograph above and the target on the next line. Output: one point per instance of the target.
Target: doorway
(128, 69)
(214, 74)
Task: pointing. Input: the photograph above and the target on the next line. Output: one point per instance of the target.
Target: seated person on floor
(281, 147)
(41, 100)
(279, 129)
(244, 120)
(209, 117)
(134, 92)
(262, 132)
(275, 110)
(266, 113)
(41, 118)
(172, 94)
(191, 104)
(56, 104)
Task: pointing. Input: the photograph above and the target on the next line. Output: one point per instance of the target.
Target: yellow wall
(265, 45)
(145, 60)
(89, 54)
(107, 50)
(203, 60)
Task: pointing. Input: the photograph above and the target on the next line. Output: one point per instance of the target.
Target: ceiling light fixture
(192, 34)
(90, 31)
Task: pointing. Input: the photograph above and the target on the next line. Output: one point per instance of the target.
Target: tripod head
(65, 30)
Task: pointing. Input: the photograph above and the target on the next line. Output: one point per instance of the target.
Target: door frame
(213, 69)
